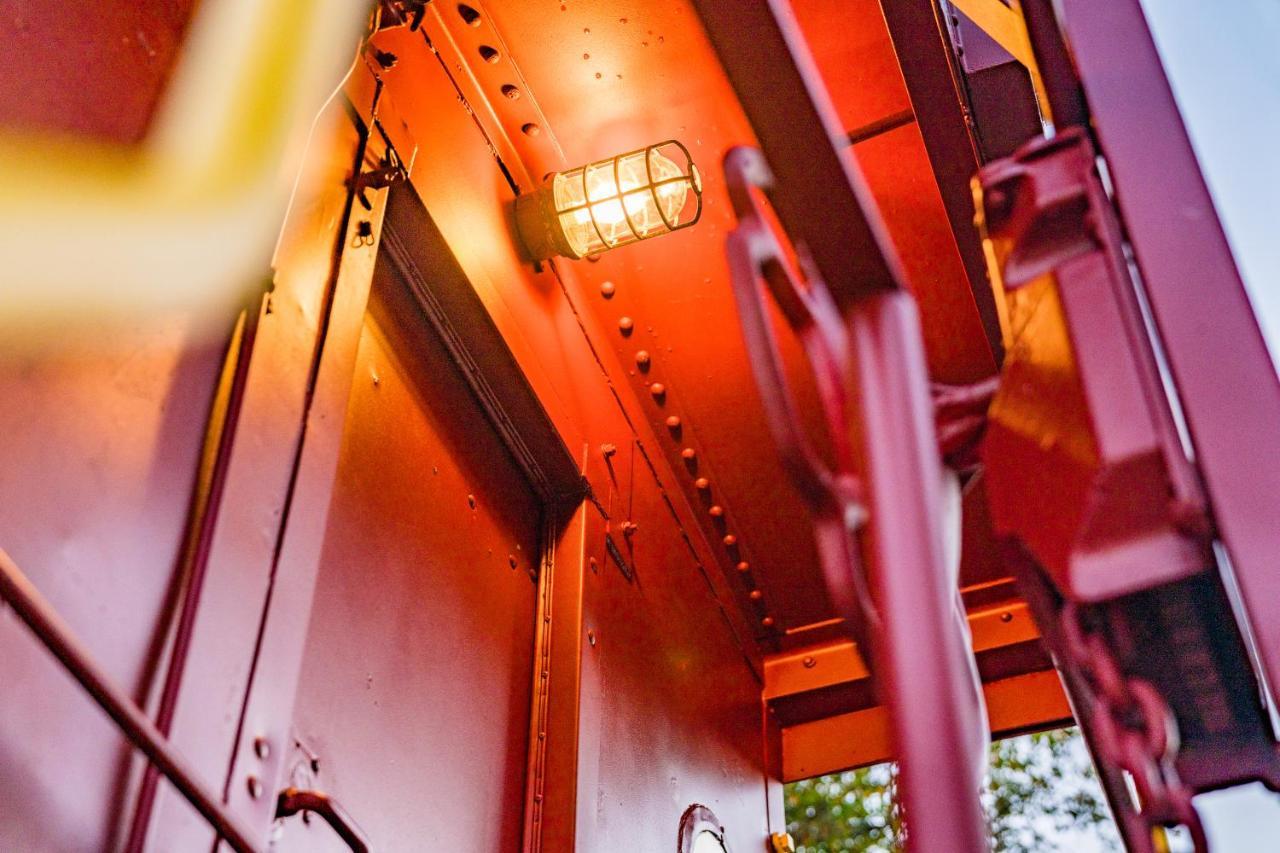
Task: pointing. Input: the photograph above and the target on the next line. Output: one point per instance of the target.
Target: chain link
(1134, 729)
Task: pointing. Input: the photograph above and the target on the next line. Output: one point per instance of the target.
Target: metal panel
(413, 701)
(670, 712)
(94, 71)
(244, 537)
(102, 440)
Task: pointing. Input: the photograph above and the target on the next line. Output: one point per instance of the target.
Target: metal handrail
(39, 615)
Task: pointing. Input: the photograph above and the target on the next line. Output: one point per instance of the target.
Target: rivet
(755, 595)
(254, 784)
(744, 566)
(689, 454)
(511, 559)
(591, 636)
(530, 129)
(767, 621)
(729, 540)
(606, 289)
(594, 564)
(511, 93)
(673, 422)
(471, 501)
(702, 484)
(642, 359)
(608, 450)
(470, 16)
(716, 511)
(625, 325)
(629, 528)
(658, 390)
(488, 54)
(1006, 617)
(261, 747)
(810, 662)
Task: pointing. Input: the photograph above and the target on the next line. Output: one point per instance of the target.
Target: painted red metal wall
(102, 436)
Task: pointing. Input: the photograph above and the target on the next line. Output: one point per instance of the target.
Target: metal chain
(1134, 729)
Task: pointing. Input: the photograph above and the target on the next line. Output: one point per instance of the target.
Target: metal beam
(1030, 702)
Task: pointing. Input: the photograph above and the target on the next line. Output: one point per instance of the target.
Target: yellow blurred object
(186, 219)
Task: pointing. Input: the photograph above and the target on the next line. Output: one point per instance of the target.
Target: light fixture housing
(609, 203)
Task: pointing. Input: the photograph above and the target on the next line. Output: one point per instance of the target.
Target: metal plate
(102, 436)
(414, 696)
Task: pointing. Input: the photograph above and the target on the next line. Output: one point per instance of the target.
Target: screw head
(254, 784)
(511, 92)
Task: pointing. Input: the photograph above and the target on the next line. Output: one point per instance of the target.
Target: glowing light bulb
(611, 203)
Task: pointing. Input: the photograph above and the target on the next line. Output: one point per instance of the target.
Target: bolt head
(254, 785)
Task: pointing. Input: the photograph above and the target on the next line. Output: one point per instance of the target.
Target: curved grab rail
(294, 800)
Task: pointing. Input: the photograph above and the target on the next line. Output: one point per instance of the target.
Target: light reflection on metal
(609, 203)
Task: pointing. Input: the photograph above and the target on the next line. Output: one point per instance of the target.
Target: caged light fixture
(610, 203)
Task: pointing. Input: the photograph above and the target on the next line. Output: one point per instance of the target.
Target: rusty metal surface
(420, 646)
(93, 70)
(102, 438)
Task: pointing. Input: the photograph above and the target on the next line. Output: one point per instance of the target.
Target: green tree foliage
(1041, 790)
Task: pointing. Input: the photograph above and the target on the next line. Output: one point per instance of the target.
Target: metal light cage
(609, 203)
